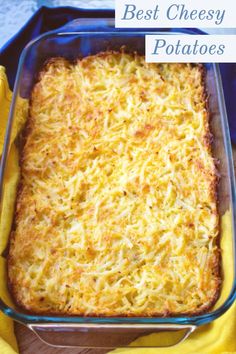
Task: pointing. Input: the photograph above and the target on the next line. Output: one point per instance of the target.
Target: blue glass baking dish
(81, 38)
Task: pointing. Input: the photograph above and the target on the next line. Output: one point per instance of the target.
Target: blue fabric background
(47, 19)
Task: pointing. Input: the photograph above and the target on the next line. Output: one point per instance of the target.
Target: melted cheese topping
(116, 213)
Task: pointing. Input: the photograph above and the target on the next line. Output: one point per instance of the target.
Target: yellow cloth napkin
(8, 343)
(218, 337)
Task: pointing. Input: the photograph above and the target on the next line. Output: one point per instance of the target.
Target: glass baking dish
(81, 38)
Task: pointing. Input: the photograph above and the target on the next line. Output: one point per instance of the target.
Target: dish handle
(90, 335)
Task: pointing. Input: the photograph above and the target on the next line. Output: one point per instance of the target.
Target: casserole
(80, 331)
(117, 190)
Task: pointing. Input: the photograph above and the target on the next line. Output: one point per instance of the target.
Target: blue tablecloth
(47, 19)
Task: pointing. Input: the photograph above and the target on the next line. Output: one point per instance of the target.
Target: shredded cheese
(116, 212)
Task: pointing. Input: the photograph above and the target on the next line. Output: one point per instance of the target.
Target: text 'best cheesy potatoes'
(116, 212)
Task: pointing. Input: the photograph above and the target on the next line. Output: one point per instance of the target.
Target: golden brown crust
(142, 134)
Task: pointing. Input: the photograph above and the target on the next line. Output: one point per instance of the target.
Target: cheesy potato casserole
(116, 212)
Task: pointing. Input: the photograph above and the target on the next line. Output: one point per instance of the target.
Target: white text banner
(175, 13)
(190, 48)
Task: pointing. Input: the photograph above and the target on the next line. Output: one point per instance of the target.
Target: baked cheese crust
(116, 213)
